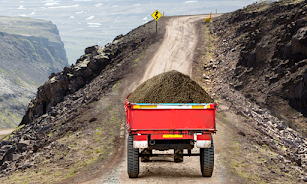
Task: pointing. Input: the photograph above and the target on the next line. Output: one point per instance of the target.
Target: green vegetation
(19, 128)
(5, 73)
(29, 43)
(9, 119)
(28, 26)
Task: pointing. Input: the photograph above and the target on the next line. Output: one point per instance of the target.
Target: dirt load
(170, 87)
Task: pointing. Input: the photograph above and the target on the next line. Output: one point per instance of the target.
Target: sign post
(156, 15)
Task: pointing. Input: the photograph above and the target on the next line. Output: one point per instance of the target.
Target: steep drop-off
(30, 50)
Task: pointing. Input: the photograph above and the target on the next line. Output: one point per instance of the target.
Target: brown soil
(170, 87)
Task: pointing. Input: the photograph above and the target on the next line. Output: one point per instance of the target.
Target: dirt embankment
(256, 68)
(262, 53)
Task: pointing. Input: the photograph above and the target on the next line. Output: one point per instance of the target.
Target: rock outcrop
(70, 80)
(271, 42)
(261, 72)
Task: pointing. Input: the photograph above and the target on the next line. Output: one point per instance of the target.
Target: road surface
(6, 131)
(175, 53)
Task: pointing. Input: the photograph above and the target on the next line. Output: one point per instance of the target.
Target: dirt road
(6, 131)
(175, 53)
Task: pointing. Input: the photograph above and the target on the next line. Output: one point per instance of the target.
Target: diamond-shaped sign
(156, 15)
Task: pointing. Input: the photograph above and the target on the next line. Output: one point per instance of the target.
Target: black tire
(207, 160)
(146, 158)
(133, 163)
(178, 157)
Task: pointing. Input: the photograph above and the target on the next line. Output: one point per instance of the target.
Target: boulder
(251, 59)
(261, 53)
(118, 37)
(23, 143)
(92, 49)
(287, 51)
(299, 42)
(8, 153)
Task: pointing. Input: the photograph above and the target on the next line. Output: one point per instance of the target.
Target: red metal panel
(150, 119)
(204, 137)
(186, 132)
(140, 137)
(167, 121)
(184, 119)
(195, 118)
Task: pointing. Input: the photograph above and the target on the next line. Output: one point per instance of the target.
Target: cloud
(63, 7)
(191, 1)
(71, 17)
(89, 18)
(51, 4)
(32, 13)
(145, 18)
(21, 7)
(94, 24)
(137, 5)
(99, 4)
(80, 12)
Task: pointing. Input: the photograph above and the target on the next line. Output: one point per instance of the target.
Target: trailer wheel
(133, 164)
(207, 160)
(178, 157)
(146, 158)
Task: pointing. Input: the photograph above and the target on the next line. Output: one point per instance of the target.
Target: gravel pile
(170, 87)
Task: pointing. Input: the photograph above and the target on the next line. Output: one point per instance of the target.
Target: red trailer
(165, 126)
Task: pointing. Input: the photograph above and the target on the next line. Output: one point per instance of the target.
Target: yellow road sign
(156, 15)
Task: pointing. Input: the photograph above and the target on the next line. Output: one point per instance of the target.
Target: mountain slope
(264, 49)
(30, 50)
(256, 68)
(74, 122)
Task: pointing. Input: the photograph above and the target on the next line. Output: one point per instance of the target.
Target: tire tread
(133, 164)
(207, 160)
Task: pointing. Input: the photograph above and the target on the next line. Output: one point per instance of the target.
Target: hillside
(73, 125)
(256, 68)
(73, 130)
(262, 53)
(30, 50)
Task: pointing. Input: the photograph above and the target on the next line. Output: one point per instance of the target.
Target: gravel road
(175, 53)
(6, 131)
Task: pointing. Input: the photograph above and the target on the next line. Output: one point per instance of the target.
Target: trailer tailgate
(170, 116)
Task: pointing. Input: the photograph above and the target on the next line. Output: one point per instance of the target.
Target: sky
(83, 23)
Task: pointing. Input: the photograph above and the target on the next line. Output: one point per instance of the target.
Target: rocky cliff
(262, 52)
(258, 66)
(30, 50)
